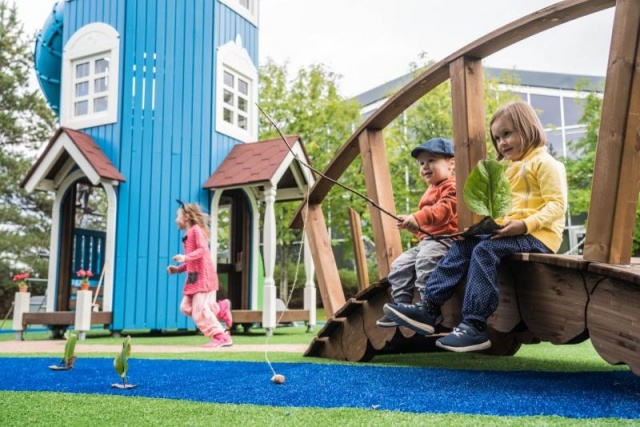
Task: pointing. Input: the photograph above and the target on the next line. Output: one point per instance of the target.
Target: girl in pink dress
(198, 300)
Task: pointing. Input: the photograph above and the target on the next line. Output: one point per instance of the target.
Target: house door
(82, 241)
(234, 243)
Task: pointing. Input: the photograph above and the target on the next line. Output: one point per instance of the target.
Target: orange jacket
(438, 206)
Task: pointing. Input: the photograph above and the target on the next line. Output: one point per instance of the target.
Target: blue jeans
(478, 259)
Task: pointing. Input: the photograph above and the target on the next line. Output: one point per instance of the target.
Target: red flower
(84, 275)
(21, 278)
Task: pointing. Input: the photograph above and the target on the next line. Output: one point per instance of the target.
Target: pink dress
(198, 301)
(201, 272)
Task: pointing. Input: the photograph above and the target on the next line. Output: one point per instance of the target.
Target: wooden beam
(610, 230)
(534, 23)
(326, 271)
(378, 181)
(360, 255)
(467, 97)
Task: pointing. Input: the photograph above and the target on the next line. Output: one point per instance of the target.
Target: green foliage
(429, 117)
(70, 348)
(307, 105)
(487, 190)
(580, 165)
(26, 122)
(120, 363)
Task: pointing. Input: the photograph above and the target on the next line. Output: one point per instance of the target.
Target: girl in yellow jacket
(535, 224)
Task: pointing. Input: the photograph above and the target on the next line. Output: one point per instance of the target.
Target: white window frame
(234, 59)
(88, 44)
(250, 13)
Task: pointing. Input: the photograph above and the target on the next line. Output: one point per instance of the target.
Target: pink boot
(223, 339)
(225, 312)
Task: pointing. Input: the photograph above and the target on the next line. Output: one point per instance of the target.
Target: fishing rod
(351, 190)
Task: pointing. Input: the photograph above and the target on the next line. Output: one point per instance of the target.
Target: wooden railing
(616, 173)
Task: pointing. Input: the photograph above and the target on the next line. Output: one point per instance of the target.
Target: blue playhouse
(156, 102)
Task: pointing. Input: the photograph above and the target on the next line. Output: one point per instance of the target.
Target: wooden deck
(553, 298)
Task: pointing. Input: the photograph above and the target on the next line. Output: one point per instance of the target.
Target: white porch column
(269, 255)
(309, 285)
(20, 306)
(83, 314)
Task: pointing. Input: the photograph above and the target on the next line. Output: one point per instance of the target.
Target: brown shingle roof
(252, 163)
(89, 150)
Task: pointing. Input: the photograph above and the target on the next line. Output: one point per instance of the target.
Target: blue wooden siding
(164, 142)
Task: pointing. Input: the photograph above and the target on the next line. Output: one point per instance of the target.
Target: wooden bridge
(553, 298)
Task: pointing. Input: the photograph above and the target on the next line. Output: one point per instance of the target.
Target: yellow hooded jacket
(539, 196)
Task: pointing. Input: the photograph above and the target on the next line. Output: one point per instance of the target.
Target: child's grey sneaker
(413, 316)
(385, 322)
(465, 338)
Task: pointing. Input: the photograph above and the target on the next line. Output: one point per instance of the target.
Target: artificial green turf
(61, 409)
(52, 409)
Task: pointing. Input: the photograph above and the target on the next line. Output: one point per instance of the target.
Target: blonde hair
(194, 215)
(525, 122)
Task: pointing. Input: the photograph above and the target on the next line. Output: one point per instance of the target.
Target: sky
(370, 42)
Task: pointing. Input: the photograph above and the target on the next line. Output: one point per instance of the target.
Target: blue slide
(48, 56)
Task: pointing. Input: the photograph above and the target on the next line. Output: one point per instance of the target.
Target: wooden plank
(629, 181)
(360, 256)
(552, 301)
(351, 306)
(372, 290)
(326, 270)
(568, 261)
(507, 316)
(371, 312)
(605, 239)
(628, 273)
(331, 326)
(467, 97)
(355, 345)
(65, 318)
(534, 23)
(613, 320)
(255, 316)
(378, 181)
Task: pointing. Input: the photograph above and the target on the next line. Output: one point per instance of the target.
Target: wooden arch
(616, 173)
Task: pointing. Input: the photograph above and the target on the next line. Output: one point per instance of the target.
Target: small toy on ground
(278, 379)
(121, 366)
(69, 357)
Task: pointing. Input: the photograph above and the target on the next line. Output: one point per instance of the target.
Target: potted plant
(22, 281)
(84, 275)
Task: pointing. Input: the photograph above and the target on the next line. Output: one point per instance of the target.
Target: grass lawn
(53, 409)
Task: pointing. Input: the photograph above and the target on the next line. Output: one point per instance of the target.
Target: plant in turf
(121, 365)
(69, 358)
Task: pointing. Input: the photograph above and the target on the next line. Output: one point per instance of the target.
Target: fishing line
(339, 184)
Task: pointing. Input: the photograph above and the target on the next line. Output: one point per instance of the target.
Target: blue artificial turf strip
(613, 394)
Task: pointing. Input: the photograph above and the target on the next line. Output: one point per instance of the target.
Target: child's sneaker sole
(476, 347)
(403, 320)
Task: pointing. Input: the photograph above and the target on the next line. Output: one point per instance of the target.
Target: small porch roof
(66, 149)
(256, 164)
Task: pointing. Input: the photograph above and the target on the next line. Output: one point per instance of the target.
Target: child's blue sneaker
(463, 338)
(413, 316)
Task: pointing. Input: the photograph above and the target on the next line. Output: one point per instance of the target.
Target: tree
(429, 117)
(307, 105)
(25, 122)
(581, 164)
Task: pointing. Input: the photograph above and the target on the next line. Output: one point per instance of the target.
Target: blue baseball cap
(441, 146)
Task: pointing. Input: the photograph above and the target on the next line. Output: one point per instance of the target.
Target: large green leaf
(487, 191)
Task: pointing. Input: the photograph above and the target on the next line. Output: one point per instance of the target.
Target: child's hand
(172, 269)
(409, 223)
(511, 228)
(178, 258)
